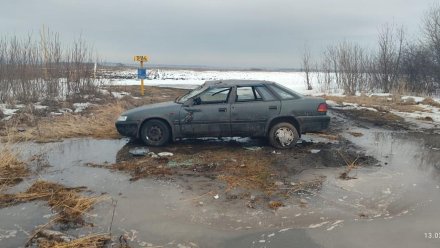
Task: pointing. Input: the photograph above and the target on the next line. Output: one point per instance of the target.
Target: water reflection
(407, 151)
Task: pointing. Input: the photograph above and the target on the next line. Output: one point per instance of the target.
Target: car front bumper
(127, 128)
(314, 123)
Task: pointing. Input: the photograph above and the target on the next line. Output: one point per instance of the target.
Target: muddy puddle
(404, 181)
(394, 204)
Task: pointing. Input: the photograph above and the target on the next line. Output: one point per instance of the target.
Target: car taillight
(322, 107)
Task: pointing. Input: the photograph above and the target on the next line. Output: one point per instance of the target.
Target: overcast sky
(226, 33)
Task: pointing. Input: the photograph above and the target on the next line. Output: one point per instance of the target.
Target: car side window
(245, 94)
(248, 93)
(215, 95)
(283, 93)
(264, 92)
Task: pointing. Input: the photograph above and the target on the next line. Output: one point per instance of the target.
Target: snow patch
(120, 95)
(318, 225)
(81, 106)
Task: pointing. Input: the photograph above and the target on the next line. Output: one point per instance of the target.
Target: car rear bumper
(127, 128)
(314, 123)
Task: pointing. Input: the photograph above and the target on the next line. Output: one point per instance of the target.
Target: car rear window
(283, 93)
(264, 92)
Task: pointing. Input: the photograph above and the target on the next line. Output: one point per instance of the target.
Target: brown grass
(238, 167)
(12, 169)
(275, 205)
(67, 202)
(430, 101)
(329, 136)
(91, 241)
(426, 118)
(356, 134)
(248, 169)
(98, 123)
(143, 168)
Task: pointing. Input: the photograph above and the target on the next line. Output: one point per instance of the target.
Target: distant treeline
(32, 68)
(397, 65)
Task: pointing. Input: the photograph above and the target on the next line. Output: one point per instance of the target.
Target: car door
(209, 116)
(252, 108)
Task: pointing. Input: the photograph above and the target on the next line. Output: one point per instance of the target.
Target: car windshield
(190, 94)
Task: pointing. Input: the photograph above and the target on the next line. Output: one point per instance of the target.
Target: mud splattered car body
(228, 108)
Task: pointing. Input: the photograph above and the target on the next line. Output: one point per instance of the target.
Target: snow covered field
(188, 79)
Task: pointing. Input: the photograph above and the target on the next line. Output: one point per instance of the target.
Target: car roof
(235, 82)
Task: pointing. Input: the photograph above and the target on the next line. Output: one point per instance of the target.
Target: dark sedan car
(228, 108)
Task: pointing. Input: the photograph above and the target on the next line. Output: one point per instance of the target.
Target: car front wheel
(283, 135)
(155, 133)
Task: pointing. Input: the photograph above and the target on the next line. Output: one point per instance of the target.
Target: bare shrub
(307, 67)
(397, 64)
(35, 69)
(387, 61)
(345, 64)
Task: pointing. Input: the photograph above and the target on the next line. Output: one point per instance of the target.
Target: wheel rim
(285, 136)
(155, 133)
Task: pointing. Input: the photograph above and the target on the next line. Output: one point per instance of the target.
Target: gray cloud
(269, 33)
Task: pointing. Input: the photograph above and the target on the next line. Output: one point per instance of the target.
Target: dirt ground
(205, 186)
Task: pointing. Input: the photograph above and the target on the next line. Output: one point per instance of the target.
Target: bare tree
(306, 64)
(387, 63)
(432, 37)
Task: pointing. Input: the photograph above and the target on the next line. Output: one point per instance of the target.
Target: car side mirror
(197, 101)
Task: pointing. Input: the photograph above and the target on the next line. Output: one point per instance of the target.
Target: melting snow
(81, 106)
(318, 225)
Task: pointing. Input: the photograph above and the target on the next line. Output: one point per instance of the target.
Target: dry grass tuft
(426, 118)
(432, 102)
(329, 136)
(350, 165)
(143, 168)
(356, 134)
(67, 202)
(99, 123)
(248, 170)
(91, 241)
(12, 170)
(275, 205)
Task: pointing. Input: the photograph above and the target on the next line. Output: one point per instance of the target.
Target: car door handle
(273, 107)
(222, 110)
(192, 110)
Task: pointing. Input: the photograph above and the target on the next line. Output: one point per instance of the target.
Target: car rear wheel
(283, 135)
(155, 133)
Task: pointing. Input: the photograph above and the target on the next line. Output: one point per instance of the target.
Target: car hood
(159, 108)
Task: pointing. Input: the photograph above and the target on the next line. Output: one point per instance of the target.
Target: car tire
(155, 133)
(283, 135)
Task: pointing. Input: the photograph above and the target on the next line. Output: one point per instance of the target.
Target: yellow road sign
(141, 58)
